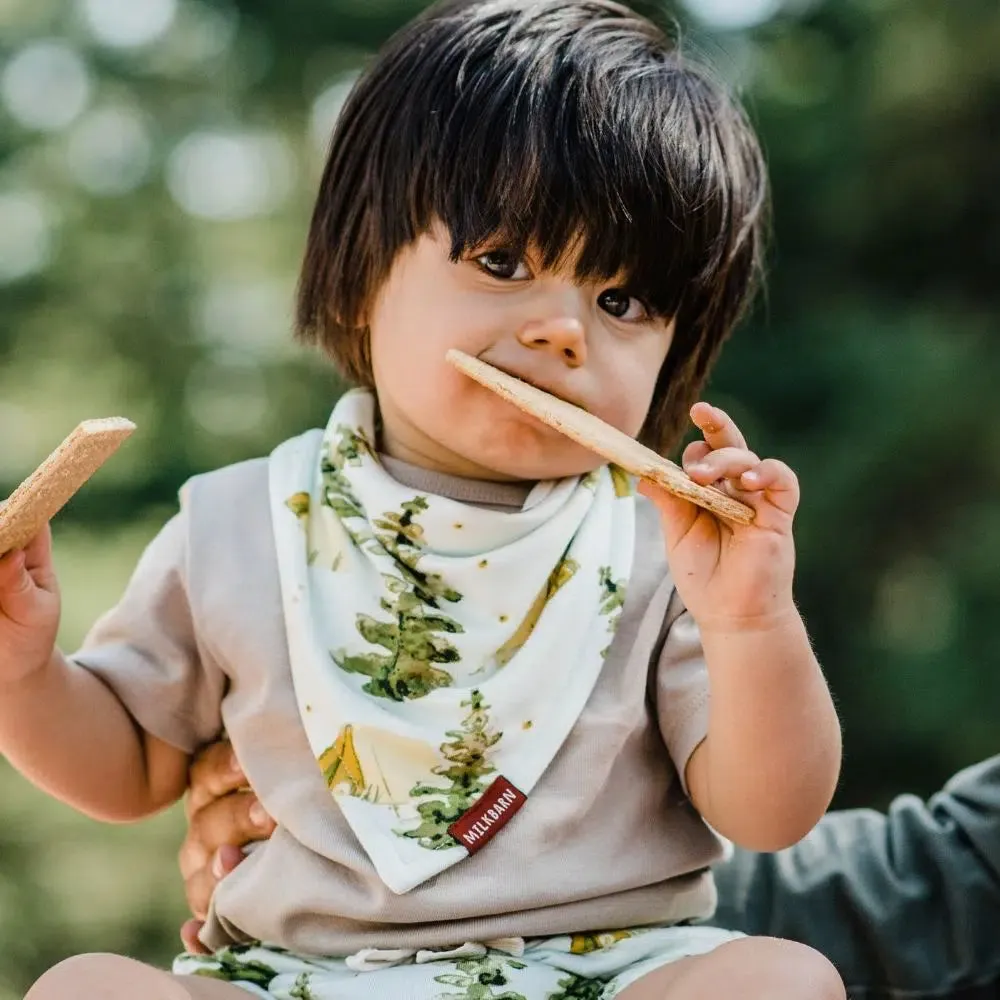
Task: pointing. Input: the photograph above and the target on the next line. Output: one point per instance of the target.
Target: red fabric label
(480, 824)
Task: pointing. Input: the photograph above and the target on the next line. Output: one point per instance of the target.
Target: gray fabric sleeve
(682, 688)
(146, 649)
(907, 905)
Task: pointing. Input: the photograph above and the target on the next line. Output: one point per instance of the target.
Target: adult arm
(907, 905)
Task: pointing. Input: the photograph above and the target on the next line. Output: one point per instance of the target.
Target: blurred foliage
(157, 165)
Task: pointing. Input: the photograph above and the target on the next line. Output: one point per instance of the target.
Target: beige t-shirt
(607, 839)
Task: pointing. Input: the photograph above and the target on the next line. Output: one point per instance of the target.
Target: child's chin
(557, 464)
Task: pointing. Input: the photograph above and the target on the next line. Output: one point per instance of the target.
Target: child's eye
(505, 264)
(618, 303)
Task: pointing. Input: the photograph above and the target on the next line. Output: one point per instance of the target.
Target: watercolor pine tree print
(301, 990)
(576, 987)
(403, 538)
(468, 770)
(412, 643)
(480, 978)
(612, 600)
(229, 966)
(351, 444)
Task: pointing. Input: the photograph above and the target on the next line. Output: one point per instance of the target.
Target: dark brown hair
(544, 121)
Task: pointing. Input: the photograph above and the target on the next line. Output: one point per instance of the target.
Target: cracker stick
(607, 441)
(44, 493)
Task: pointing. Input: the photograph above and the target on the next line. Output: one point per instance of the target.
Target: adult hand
(223, 816)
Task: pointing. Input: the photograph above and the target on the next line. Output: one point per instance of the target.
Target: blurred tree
(157, 166)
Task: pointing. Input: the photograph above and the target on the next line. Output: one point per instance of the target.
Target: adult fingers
(189, 937)
(214, 772)
(201, 884)
(235, 819)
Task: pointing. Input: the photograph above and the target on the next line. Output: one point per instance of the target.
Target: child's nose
(561, 336)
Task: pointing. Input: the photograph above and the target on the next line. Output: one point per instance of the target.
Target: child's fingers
(17, 588)
(695, 452)
(777, 479)
(39, 550)
(38, 560)
(722, 463)
(678, 516)
(719, 429)
(12, 572)
(21, 570)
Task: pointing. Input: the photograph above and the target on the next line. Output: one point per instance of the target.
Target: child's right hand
(29, 609)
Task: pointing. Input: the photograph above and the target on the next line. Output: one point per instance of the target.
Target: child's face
(589, 343)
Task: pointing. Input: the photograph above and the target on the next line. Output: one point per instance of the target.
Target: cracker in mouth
(459, 355)
(610, 443)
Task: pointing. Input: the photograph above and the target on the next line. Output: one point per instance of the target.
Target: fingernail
(234, 764)
(750, 477)
(258, 815)
(218, 870)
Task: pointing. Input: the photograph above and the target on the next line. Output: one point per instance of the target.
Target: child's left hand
(731, 576)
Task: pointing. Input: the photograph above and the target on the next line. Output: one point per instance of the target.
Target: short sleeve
(682, 688)
(146, 649)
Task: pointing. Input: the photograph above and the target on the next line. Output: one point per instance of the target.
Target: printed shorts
(579, 967)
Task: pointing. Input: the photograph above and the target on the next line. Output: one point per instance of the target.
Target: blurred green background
(157, 165)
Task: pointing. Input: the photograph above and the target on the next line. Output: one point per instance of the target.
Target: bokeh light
(916, 608)
(109, 151)
(26, 234)
(46, 85)
(128, 23)
(226, 394)
(326, 109)
(226, 176)
(252, 311)
(733, 15)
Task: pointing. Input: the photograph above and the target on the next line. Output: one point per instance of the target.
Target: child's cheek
(625, 402)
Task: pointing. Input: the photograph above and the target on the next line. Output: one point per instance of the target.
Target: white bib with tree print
(436, 646)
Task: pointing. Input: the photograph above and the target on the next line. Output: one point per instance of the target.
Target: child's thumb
(38, 561)
(15, 580)
(676, 514)
(665, 502)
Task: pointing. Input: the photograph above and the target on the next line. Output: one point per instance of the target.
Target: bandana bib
(440, 652)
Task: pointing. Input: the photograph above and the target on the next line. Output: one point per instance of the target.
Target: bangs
(582, 136)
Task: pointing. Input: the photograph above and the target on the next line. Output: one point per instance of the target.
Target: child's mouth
(537, 384)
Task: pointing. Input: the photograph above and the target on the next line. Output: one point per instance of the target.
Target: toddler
(501, 708)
